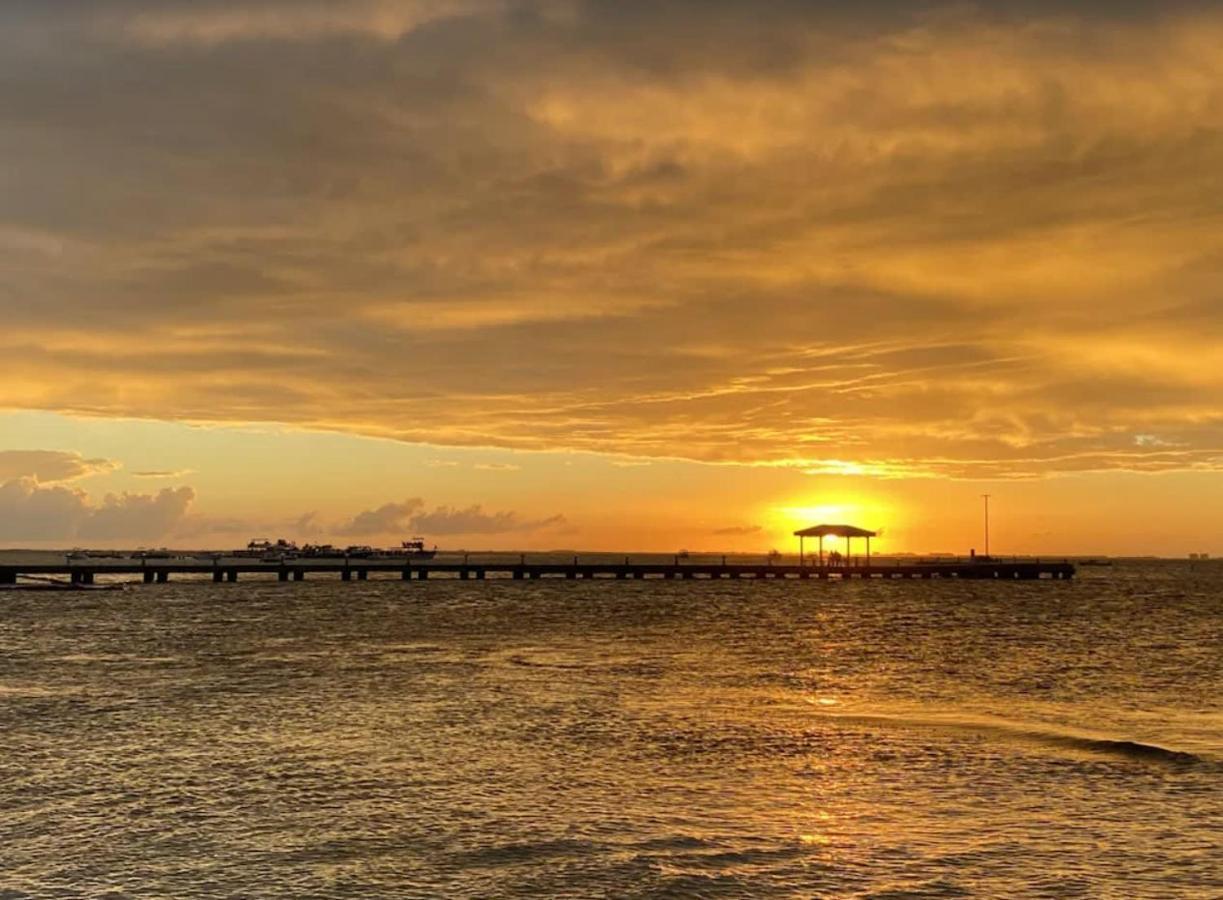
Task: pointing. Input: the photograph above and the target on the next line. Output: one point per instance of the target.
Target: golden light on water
(814, 839)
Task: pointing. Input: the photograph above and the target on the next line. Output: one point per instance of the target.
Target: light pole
(986, 498)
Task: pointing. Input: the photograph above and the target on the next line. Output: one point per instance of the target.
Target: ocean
(616, 739)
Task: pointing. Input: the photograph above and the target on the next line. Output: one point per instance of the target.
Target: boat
(415, 549)
(316, 551)
(159, 553)
(82, 553)
(261, 548)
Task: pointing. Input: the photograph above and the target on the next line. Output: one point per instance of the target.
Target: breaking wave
(1030, 733)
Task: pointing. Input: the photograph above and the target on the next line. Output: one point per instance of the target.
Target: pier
(86, 572)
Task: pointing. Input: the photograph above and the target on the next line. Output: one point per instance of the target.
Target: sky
(606, 275)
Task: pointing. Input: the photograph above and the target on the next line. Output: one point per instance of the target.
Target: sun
(865, 512)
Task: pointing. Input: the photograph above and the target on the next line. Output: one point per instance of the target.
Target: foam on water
(1030, 733)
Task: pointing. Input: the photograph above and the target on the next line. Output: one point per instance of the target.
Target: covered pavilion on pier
(842, 531)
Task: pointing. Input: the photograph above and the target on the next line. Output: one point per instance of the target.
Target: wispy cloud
(48, 466)
(739, 530)
(214, 23)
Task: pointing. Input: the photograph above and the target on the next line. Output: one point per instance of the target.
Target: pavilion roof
(842, 531)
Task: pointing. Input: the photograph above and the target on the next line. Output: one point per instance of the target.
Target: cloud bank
(33, 512)
(919, 239)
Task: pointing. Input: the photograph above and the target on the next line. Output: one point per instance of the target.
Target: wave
(1134, 749)
(1031, 733)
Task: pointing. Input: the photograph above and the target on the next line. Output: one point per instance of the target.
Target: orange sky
(585, 274)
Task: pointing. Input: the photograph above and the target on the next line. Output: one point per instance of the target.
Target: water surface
(500, 738)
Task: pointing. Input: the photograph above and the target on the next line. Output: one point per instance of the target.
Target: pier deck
(86, 571)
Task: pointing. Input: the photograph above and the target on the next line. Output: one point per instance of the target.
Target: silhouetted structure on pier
(842, 531)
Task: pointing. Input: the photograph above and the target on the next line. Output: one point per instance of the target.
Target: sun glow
(862, 511)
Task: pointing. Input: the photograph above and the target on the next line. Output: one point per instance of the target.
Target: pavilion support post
(821, 551)
(800, 551)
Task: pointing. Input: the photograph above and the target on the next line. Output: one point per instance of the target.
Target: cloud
(410, 516)
(387, 518)
(48, 466)
(739, 530)
(908, 240)
(307, 524)
(446, 520)
(163, 473)
(33, 512)
(136, 515)
(29, 512)
(208, 24)
(497, 467)
(191, 527)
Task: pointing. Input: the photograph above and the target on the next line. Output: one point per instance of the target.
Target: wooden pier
(86, 572)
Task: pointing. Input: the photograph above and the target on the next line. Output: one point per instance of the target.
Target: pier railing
(223, 568)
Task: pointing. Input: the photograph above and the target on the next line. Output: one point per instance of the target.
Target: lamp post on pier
(986, 498)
